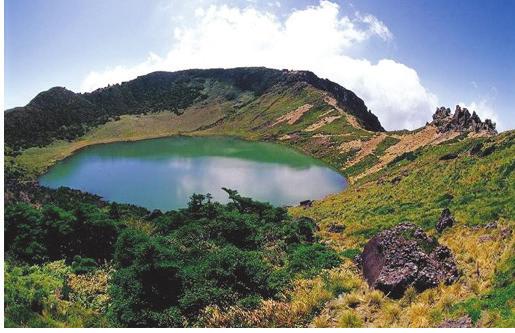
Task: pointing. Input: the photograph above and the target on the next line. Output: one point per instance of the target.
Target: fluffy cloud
(317, 38)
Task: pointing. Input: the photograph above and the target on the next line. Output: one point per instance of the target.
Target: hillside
(61, 114)
(303, 273)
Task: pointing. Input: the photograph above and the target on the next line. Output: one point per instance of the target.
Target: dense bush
(168, 272)
(311, 258)
(210, 254)
(34, 235)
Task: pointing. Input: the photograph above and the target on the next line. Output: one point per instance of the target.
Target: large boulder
(445, 221)
(405, 256)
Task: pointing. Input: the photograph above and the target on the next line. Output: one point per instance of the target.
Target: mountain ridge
(154, 92)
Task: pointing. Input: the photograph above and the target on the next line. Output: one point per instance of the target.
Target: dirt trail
(367, 148)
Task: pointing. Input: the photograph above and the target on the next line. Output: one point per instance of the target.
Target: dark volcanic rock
(336, 228)
(461, 121)
(396, 180)
(487, 151)
(491, 225)
(446, 220)
(476, 148)
(449, 156)
(306, 203)
(406, 256)
(485, 238)
(462, 322)
(505, 232)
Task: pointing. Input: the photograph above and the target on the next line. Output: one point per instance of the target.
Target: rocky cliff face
(461, 121)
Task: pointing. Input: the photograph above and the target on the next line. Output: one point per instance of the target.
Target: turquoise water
(164, 173)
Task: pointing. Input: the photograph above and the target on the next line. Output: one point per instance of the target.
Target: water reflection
(163, 173)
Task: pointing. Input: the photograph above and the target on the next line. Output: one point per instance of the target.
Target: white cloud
(317, 38)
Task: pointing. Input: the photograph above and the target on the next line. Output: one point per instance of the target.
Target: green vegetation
(205, 255)
(215, 102)
(60, 114)
(478, 190)
(385, 144)
(39, 296)
(50, 233)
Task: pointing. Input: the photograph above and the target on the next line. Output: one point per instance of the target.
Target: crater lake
(163, 173)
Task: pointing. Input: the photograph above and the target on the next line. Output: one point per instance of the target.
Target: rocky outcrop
(405, 256)
(445, 221)
(461, 121)
(476, 149)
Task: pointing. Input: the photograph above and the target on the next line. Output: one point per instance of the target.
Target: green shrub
(34, 298)
(210, 254)
(311, 258)
(350, 253)
(83, 265)
(34, 235)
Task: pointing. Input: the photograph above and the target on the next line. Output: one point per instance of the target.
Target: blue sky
(402, 57)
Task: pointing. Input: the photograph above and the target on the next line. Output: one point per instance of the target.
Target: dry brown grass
(293, 116)
(367, 148)
(300, 306)
(321, 123)
(409, 142)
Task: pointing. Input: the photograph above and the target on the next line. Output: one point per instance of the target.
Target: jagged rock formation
(405, 256)
(461, 121)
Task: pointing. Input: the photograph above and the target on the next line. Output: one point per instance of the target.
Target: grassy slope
(482, 190)
(478, 190)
